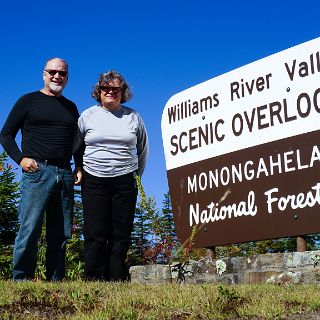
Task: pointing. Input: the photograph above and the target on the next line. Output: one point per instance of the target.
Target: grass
(96, 300)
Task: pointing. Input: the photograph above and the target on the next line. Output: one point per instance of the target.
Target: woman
(116, 149)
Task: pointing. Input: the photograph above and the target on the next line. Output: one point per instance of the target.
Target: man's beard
(55, 87)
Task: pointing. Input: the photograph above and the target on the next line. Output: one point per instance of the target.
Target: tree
(9, 197)
(153, 238)
(140, 237)
(168, 226)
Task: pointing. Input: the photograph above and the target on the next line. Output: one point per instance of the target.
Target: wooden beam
(301, 244)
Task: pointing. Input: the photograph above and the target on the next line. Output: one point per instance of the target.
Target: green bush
(5, 262)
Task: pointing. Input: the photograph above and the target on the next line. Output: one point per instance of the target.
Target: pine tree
(153, 238)
(139, 236)
(169, 229)
(9, 197)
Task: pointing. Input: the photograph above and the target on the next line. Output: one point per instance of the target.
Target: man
(48, 123)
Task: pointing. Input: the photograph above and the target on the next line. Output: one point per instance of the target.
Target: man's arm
(10, 129)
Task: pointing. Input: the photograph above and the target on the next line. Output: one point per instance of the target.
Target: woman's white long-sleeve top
(116, 142)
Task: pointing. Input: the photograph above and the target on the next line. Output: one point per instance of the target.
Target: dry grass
(82, 300)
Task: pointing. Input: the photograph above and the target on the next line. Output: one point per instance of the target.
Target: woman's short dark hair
(106, 77)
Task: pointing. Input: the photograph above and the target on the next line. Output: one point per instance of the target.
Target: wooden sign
(243, 151)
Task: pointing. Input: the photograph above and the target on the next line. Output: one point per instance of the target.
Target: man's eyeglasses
(108, 89)
(52, 73)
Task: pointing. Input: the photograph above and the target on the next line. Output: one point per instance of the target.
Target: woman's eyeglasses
(108, 89)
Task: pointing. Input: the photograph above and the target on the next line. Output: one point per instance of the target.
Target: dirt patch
(47, 306)
(38, 310)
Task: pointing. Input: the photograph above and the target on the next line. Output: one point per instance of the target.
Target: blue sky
(161, 47)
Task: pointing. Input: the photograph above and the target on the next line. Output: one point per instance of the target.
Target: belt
(56, 163)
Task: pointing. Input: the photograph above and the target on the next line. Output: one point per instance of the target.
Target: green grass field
(96, 300)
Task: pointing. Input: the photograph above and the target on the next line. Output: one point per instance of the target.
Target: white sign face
(243, 151)
(268, 100)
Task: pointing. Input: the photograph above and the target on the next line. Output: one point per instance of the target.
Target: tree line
(153, 238)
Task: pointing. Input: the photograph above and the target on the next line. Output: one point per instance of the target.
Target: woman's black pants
(108, 208)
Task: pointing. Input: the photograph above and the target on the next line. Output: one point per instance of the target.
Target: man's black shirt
(48, 125)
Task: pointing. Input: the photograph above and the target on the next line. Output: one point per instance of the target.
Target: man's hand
(29, 165)
(77, 176)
